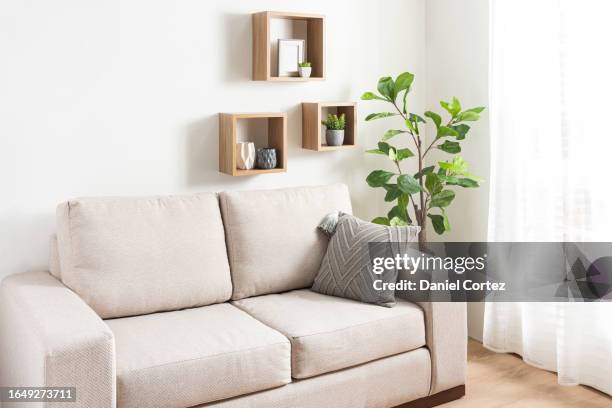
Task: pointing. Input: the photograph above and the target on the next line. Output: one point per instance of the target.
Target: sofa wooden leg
(436, 399)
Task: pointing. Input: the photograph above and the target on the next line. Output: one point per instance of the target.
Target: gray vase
(334, 137)
(266, 158)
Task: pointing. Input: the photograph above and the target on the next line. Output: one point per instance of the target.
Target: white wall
(457, 47)
(121, 98)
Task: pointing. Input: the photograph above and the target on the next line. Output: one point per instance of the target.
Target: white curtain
(551, 131)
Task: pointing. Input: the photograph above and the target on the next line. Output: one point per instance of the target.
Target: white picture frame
(290, 54)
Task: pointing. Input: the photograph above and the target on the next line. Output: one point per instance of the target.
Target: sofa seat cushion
(329, 333)
(194, 356)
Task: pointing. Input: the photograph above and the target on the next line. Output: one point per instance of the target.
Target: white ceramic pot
(245, 155)
(305, 71)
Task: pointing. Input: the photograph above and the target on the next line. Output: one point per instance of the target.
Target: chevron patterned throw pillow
(347, 267)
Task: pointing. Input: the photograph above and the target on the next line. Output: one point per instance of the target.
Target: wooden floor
(504, 380)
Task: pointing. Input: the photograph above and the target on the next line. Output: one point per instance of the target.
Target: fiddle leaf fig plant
(427, 193)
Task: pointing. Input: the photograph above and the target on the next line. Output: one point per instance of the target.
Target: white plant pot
(245, 155)
(305, 71)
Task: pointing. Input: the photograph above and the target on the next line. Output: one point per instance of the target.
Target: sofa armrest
(50, 337)
(446, 338)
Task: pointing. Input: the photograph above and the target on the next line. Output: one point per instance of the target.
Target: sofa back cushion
(272, 237)
(131, 256)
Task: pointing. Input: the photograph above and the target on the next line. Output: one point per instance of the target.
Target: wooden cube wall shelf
(262, 47)
(313, 136)
(277, 138)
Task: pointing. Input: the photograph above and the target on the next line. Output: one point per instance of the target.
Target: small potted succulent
(305, 69)
(334, 135)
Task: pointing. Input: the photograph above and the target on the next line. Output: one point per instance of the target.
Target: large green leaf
(397, 222)
(385, 147)
(457, 166)
(442, 199)
(437, 119)
(444, 131)
(453, 107)
(381, 220)
(393, 192)
(414, 118)
(413, 122)
(450, 180)
(405, 100)
(368, 96)
(461, 130)
(408, 184)
(446, 106)
(433, 183)
(404, 154)
(438, 223)
(467, 183)
(398, 212)
(380, 115)
(386, 88)
(425, 170)
(450, 147)
(391, 133)
(376, 151)
(468, 116)
(477, 109)
(402, 202)
(460, 181)
(403, 82)
(378, 178)
(446, 166)
(411, 126)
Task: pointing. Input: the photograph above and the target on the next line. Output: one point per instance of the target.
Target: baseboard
(436, 399)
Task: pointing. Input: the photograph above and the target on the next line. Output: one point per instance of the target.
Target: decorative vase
(266, 158)
(305, 71)
(245, 155)
(334, 137)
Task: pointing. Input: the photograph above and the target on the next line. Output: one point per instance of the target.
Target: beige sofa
(203, 300)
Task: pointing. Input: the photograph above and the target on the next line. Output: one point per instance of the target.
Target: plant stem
(399, 169)
(430, 146)
(421, 194)
(405, 119)
(418, 213)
